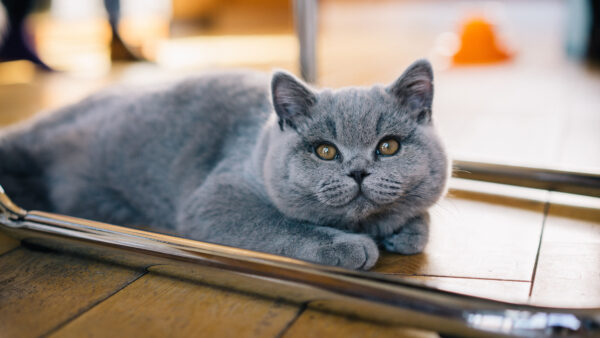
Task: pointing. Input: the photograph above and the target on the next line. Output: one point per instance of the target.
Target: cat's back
(220, 100)
(173, 135)
(217, 99)
(139, 143)
(229, 96)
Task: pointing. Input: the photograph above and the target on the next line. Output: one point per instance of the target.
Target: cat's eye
(326, 152)
(388, 147)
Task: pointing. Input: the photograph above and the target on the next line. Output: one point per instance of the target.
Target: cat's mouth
(361, 199)
(347, 197)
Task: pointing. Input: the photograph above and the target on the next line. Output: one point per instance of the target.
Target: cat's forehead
(357, 116)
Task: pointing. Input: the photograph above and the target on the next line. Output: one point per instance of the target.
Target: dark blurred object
(16, 41)
(583, 29)
(28, 38)
(118, 50)
(594, 40)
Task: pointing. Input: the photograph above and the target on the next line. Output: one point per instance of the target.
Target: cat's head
(341, 156)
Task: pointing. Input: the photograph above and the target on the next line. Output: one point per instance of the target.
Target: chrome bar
(8, 208)
(305, 19)
(582, 183)
(364, 294)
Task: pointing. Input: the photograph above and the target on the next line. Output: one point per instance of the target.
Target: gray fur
(226, 159)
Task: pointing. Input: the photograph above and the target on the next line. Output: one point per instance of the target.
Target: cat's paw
(352, 251)
(410, 239)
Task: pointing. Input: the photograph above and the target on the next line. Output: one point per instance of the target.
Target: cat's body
(211, 159)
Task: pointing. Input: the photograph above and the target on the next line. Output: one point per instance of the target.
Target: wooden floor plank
(313, 323)
(568, 272)
(160, 306)
(41, 290)
(7, 243)
(567, 224)
(473, 237)
(568, 275)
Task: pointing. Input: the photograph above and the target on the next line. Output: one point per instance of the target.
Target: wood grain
(568, 272)
(159, 306)
(41, 290)
(7, 243)
(313, 323)
(476, 239)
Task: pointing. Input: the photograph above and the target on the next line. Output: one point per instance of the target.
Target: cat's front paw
(410, 239)
(352, 251)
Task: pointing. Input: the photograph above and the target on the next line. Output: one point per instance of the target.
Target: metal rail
(581, 183)
(305, 18)
(368, 295)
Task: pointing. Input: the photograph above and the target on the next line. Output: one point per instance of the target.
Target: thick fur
(228, 159)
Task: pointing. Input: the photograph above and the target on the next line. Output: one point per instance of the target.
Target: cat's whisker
(388, 185)
(390, 180)
(323, 185)
(330, 189)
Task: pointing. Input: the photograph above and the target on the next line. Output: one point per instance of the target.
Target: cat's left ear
(291, 99)
(414, 89)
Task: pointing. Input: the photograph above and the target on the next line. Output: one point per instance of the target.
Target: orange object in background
(479, 44)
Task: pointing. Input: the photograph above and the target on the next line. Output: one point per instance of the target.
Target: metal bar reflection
(367, 295)
(305, 17)
(582, 183)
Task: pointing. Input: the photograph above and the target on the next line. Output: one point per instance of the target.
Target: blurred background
(517, 81)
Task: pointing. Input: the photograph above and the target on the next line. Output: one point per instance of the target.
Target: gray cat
(323, 176)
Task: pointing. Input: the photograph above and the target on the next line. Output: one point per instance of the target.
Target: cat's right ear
(414, 90)
(291, 99)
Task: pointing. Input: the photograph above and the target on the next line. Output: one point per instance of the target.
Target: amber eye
(326, 152)
(388, 147)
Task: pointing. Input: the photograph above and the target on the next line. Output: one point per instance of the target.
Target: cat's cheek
(336, 192)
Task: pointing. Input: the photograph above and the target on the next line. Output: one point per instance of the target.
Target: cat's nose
(358, 175)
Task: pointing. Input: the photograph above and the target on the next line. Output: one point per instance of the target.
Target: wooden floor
(506, 243)
(531, 248)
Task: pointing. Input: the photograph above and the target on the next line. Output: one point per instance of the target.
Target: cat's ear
(414, 89)
(291, 99)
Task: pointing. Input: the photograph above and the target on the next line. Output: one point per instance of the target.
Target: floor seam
(539, 249)
(301, 310)
(9, 251)
(93, 305)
